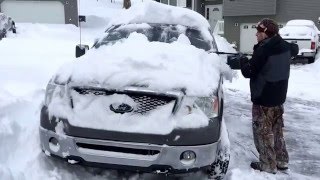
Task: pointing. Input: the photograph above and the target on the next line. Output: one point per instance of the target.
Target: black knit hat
(271, 27)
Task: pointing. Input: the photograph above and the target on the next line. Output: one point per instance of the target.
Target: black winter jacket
(268, 70)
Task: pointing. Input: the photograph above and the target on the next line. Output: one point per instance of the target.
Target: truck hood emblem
(121, 108)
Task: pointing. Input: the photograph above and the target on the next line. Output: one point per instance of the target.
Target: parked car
(6, 24)
(146, 97)
(304, 33)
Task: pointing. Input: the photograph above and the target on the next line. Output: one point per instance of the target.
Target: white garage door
(248, 37)
(35, 11)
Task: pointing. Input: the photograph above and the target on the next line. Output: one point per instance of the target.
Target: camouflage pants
(267, 127)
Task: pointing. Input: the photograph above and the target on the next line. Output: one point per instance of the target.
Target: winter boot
(282, 166)
(260, 167)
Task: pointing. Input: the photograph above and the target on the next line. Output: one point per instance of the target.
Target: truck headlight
(53, 89)
(208, 105)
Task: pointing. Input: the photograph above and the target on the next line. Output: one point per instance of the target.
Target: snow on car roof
(300, 22)
(153, 12)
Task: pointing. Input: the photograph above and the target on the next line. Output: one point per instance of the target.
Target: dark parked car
(181, 150)
(6, 24)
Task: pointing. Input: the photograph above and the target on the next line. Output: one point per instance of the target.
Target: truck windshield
(156, 32)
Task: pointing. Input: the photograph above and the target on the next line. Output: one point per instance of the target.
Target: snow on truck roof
(300, 22)
(154, 12)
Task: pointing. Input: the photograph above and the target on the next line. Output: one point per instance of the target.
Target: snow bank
(223, 44)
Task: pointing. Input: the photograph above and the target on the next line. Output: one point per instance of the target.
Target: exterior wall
(295, 9)
(209, 2)
(70, 10)
(285, 10)
(199, 6)
(249, 7)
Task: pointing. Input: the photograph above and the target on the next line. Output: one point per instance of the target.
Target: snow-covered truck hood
(158, 66)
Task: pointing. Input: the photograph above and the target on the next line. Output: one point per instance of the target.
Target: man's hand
(243, 60)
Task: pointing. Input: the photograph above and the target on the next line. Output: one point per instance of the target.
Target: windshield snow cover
(150, 11)
(156, 65)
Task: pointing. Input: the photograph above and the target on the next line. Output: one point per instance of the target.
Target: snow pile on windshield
(137, 62)
(153, 12)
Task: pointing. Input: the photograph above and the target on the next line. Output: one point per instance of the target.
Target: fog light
(54, 144)
(188, 157)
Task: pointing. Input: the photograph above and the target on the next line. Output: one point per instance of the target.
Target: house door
(35, 11)
(213, 14)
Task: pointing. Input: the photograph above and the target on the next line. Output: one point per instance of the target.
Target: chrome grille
(145, 101)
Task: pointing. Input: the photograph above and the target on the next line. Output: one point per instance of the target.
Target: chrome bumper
(165, 156)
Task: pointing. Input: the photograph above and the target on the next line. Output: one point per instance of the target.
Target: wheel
(311, 60)
(219, 167)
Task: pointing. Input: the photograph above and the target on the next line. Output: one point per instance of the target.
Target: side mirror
(234, 61)
(81, 50)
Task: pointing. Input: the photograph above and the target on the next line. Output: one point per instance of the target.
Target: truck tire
(219, 168)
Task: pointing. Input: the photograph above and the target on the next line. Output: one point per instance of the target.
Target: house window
(216, 9)
(169, 2)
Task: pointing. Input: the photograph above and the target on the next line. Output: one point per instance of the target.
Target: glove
(243, 60)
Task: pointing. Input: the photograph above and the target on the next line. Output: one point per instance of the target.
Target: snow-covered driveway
(43, 48)
(29, 59)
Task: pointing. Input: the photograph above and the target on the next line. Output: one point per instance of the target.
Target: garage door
(35, 11)
(248, 36)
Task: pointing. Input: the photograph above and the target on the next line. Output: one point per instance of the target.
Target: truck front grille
(146, 101)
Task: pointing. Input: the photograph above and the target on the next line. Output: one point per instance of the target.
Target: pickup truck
(305, 34)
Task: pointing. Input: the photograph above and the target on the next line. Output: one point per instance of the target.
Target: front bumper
(178, 137)
(128, 155)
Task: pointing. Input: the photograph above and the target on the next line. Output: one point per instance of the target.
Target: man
(268, 70)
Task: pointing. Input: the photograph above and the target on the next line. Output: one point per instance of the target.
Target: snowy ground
(29, 59)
